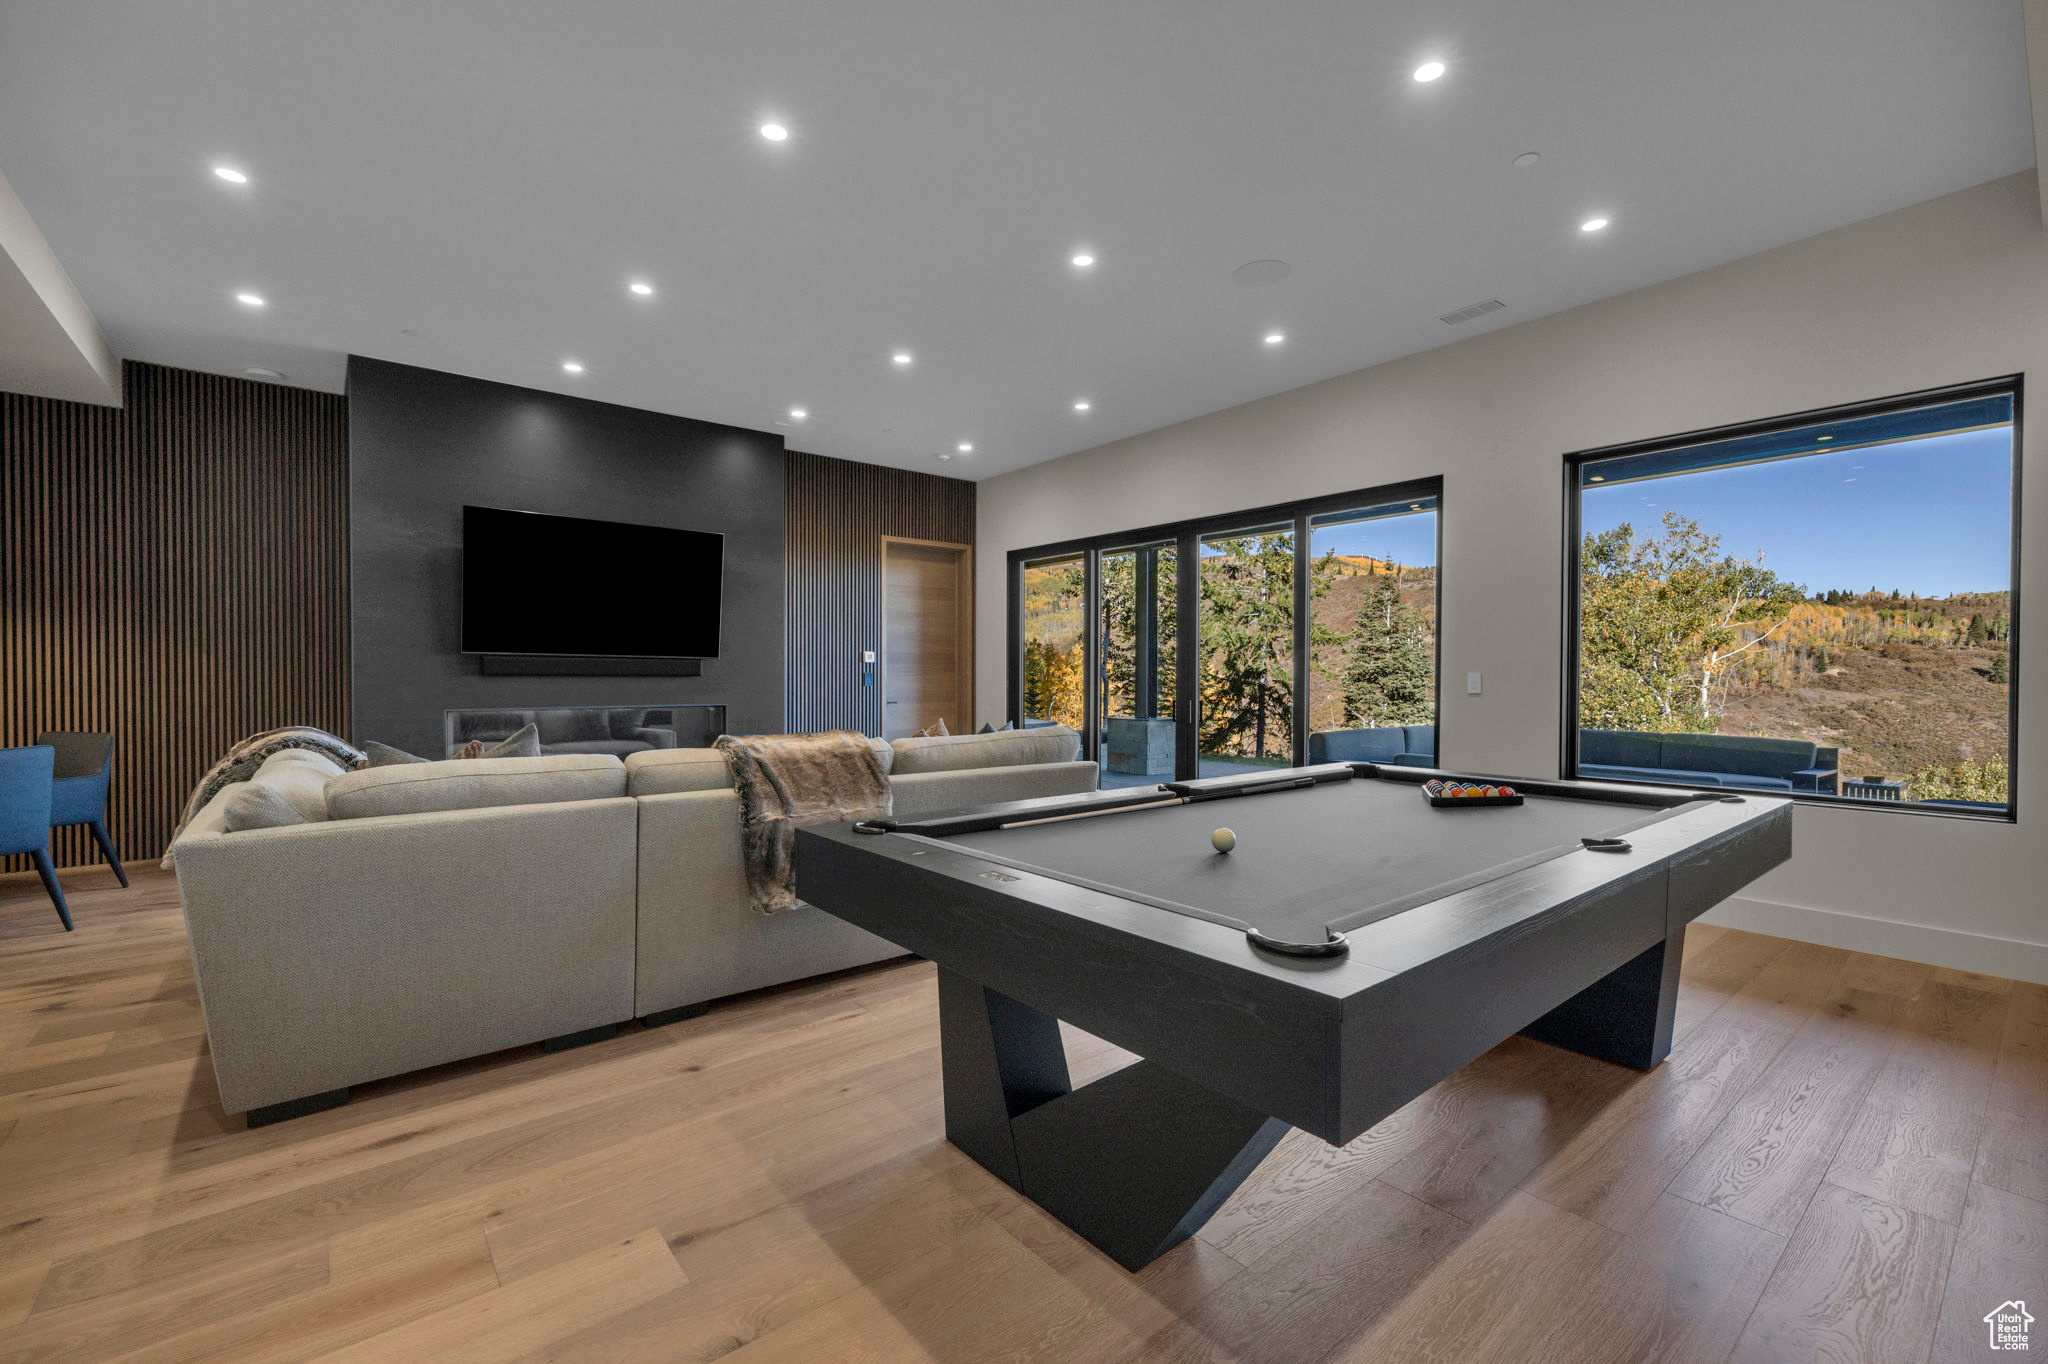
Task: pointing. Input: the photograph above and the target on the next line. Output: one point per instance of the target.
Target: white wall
(1950, 290)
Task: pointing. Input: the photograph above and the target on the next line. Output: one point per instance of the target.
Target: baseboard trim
(1887, 937)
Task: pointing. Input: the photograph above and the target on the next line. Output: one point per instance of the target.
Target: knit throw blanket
(240, 763)
(786, 781)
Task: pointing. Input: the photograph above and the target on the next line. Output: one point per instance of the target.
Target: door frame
(965, 625)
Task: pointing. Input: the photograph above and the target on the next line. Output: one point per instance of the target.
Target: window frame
(1186, 535)
(2009, 385)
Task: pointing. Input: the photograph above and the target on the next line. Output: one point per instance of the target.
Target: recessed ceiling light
(1082, 404)
(775, 132)
(1592, 225)
(231, 175)
(797, 414)
(1414, 506)
(251, 300)
(1082, 260)
(965, 447)
(1823, 437)
(942, 455)
(572, 366)
(1597, 478)
(1526, 160)
(641, 287)
(1429, 71)
(262, 372)
(1275, 338)
(901, 357)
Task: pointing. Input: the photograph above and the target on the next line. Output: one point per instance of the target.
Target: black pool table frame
(1240, 1044)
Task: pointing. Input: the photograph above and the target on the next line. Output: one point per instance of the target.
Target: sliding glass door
(1247, 629)
(1138, 626)
(1233, 644)
(1055, 632)
(1373, 641)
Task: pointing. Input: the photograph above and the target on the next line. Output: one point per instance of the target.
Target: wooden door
(927, 636)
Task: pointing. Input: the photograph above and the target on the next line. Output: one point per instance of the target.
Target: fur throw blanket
(240, 763)
(786, 781)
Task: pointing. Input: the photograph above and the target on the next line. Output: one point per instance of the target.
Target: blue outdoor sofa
(1402, 745)
(1708, 760)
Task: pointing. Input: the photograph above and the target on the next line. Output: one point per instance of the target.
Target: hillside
(1901, 685)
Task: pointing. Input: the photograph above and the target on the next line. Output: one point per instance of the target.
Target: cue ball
(1223, 840)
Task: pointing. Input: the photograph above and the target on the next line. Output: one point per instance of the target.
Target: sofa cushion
(1619, 748)
(959, 752)
(1617, 772)
(252, 805)
(665, 771)
(1357, 745)
(299, 778)
(1421, 741)
(298, 775)
(1740, 756)
(474, 784)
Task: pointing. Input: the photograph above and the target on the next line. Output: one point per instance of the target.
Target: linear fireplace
(590, 729)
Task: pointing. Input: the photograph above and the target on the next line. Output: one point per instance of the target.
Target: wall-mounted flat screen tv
(570, 587)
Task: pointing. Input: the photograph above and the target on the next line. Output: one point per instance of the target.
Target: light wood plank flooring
(1846, 1158)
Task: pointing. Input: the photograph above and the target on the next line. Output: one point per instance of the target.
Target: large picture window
(1265, 639)
(1821, 607)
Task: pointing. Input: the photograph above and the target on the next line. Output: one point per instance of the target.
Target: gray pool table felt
(1308, 862)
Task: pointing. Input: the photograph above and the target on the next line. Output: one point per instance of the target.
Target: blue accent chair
(85, 765)
(26, 786)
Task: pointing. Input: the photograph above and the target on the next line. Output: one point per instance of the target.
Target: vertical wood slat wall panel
(175, 572)
(838, 512)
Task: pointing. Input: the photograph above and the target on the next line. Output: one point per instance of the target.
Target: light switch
(867, 655)
(1472, 684)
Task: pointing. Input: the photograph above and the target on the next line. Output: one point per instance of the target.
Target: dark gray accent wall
(423, 443)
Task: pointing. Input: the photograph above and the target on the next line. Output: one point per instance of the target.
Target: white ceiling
(489, 174)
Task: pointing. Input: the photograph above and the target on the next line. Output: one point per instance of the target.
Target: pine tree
(1248, 644)
(1387, 674)
(2001, 671)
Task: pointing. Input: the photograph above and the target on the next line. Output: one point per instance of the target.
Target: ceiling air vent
(1492, 305)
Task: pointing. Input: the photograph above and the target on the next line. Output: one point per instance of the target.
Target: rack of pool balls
(1453, 794)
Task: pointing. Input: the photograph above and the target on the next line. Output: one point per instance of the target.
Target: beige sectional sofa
(423, 913)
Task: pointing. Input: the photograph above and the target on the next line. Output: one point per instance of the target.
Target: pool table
(1355, 946)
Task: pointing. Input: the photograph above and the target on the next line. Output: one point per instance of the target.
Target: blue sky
(1409, 539)
(1930, 517)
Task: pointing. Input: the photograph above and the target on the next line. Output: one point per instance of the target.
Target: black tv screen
(562, 585)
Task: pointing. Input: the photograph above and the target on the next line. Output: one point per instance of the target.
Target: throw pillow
(523, 743)
(991, 727)
(935, 730)
(255, 806)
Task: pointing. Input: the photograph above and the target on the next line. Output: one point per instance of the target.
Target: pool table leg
(1134, 1162)
(1626, 1015)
